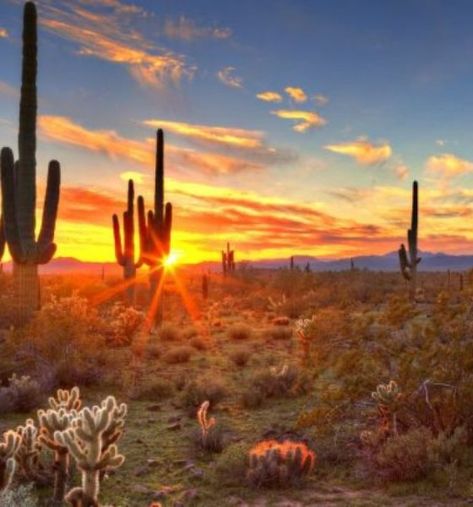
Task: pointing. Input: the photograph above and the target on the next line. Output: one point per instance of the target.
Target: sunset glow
(306, 140)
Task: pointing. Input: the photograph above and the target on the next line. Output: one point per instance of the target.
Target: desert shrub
(274, 382)
(189, 332)
(66, 338)
(169, 333)
(153, 350)
(154, 390)
(198, 391)
(240, 357)
(125, 322)
(22, 496)
(279, 333)
(281, 321)
(252, 398)
(209, 436)
(231, 465)
(404, 457)
(240, 332)
(23, 394)
(178, 355)
(198, 343)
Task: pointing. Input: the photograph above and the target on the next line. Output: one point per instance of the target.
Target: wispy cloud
(401, 171)
(227, 77)
(448, 165)
(240, 138)
(364, 152)
(3, 33)
(305, 120)
(321, 100)
(9, 90)
(108, 37)
(297, 94)
(108, 142)
(269, 96)
(187, 29)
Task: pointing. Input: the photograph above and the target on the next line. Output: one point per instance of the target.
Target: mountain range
(387, 262)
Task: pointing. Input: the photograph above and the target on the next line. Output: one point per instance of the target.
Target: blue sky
(382, 92)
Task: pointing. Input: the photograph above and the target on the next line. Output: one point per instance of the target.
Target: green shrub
(231, 465)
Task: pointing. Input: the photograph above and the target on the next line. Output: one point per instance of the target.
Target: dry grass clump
(240, 357)
(198, 343)
(178, 355)
(279, 333)
(203, 389)
(281, 321)
(240, 332)
(169, 333)
(155, 390)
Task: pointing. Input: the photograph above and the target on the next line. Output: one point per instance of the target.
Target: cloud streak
(296, 94)
(448, 165)
(364, 152)
(269, 96)
(305, 120)
(228, 78)
(187, 30)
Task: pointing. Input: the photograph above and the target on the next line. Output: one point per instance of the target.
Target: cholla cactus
(274, 463)
(28, 456)
(85, 441)
(52, 421)
(279, 373)
(66, 399)
(276, 304)
(388, 396)
(8, 449)
(205, 423)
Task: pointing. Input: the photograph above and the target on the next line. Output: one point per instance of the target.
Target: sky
(292, 127)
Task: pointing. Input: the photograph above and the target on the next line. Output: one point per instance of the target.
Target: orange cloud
(364, 152)
(64, 130)
(227, 78)
(186, 29)
(240, 138)
(107, 37)
(269, 96)
(297, 94)
(305, 120)
(448, 165)
(401, 171)
(3, 33)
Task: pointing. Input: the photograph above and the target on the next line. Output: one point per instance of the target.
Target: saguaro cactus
(126, 255)
(155, 231)
(19, 187)
(409, 260)
(228, 260)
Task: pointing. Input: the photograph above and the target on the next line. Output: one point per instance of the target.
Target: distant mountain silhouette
(387, 262)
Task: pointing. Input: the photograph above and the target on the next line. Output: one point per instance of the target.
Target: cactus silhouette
(228, 261)
(155, 231)
(408, 259)
(125, 254)
(19, 187)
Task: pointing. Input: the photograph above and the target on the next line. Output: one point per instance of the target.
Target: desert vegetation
(240, 387)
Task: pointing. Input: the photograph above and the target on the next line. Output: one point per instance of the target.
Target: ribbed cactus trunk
(126, 256)
(408, 263)
(155, 234)
(19, 187)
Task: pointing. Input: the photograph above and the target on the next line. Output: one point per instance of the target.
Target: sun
(171, 260)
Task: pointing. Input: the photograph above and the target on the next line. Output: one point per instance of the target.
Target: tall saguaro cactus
(228, 260)
(155, 231)
(408, 259)
(19, 187)
(126, 255)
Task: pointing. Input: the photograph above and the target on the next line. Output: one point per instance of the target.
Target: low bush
(240, 332)
(178, 355)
